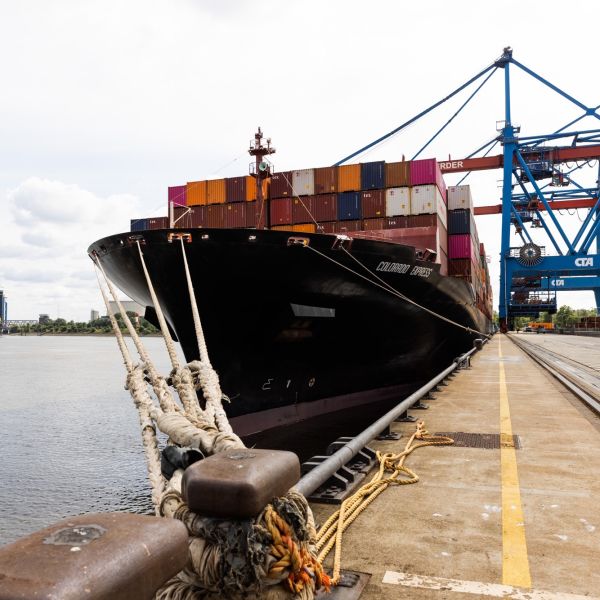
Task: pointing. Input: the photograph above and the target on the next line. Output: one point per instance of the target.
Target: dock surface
(518, 521)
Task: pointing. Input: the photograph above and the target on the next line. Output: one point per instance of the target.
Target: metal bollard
(116, 556)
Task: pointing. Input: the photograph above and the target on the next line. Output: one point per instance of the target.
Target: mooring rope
(270, 557)
(388, 288)
(331, 532)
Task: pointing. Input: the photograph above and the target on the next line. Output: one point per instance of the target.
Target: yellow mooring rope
(391, 472)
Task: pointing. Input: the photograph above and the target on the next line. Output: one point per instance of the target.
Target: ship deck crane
(529, 276)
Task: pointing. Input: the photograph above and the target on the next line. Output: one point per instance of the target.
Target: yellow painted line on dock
(515, 562)
(458, 586)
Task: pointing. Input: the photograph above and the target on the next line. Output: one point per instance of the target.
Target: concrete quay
(511, 522)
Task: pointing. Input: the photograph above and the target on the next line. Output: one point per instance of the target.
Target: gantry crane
(539, 181)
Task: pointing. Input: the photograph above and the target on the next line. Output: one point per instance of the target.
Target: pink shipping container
(235, 215)
(461, 246)
(427, 171)
(281, 211)
(158, 223)
(215, 215)
(177, 195)
(373, 204)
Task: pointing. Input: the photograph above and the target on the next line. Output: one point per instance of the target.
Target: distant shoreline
(108, 334)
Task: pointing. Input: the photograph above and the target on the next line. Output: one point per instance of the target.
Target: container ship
(320, 290)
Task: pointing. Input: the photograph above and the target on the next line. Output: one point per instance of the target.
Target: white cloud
(50, 225)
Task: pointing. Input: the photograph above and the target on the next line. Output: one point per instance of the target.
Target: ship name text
(394, 267)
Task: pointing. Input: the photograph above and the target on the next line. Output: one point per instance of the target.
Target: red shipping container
(396, 222)
(158, 223)
(327, 227)
(348, 226)
(373, 204)
(199, 216)
(430, 220)
(177, 195)
(281, 185)
(251, 214)
(370, 224)
(182, 215)
(428, 171)
(324, 207)
(302, 209)
(235, 215)
(215, 215)
(281, 211)
(235, 189)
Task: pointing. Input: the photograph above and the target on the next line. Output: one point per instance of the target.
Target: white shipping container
(459, 196)
(303, 182)
(428, 200)
(397, 201)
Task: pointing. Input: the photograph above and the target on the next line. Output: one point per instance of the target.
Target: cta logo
(557, 282)
(584, 262)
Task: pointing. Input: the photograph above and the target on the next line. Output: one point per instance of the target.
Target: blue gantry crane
(540, 181)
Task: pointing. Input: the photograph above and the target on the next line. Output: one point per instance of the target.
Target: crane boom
(555, 155)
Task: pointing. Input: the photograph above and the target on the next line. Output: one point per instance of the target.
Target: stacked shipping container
(406, 202)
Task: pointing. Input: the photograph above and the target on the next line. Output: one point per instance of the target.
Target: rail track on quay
(581, 378)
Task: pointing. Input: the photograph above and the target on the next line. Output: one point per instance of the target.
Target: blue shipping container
(348, 206)
(372, 175)
(139, 224)
(460, 221)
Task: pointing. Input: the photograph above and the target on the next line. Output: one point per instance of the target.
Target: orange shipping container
(349, 178)
(397, 174)
(215, 191)
(282, 227)
(306, 228)
(251, 188)
(195, 193)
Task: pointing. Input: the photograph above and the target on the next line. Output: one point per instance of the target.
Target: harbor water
(69, 432)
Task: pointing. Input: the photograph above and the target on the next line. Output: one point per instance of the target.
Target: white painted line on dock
(515, 561)
(495, 590)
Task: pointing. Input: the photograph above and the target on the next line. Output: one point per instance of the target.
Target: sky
(106, 104)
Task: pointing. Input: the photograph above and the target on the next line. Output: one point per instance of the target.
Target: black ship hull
(295, 326)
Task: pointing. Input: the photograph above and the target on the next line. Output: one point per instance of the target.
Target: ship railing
(315, 478)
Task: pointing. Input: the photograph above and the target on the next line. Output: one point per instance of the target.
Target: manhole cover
(482, 440)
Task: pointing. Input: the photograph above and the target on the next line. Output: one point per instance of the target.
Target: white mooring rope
(263, 558)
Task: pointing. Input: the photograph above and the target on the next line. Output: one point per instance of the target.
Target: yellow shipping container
(306, 228)
(195, 193)
(215, 191)
(349, 178)
(251, 188)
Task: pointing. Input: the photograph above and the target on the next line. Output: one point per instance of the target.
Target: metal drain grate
(482, 440)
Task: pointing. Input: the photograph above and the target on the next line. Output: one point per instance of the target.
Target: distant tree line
(564, 318)
(98, 326)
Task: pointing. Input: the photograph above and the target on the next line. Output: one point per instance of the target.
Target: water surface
(69, 432)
